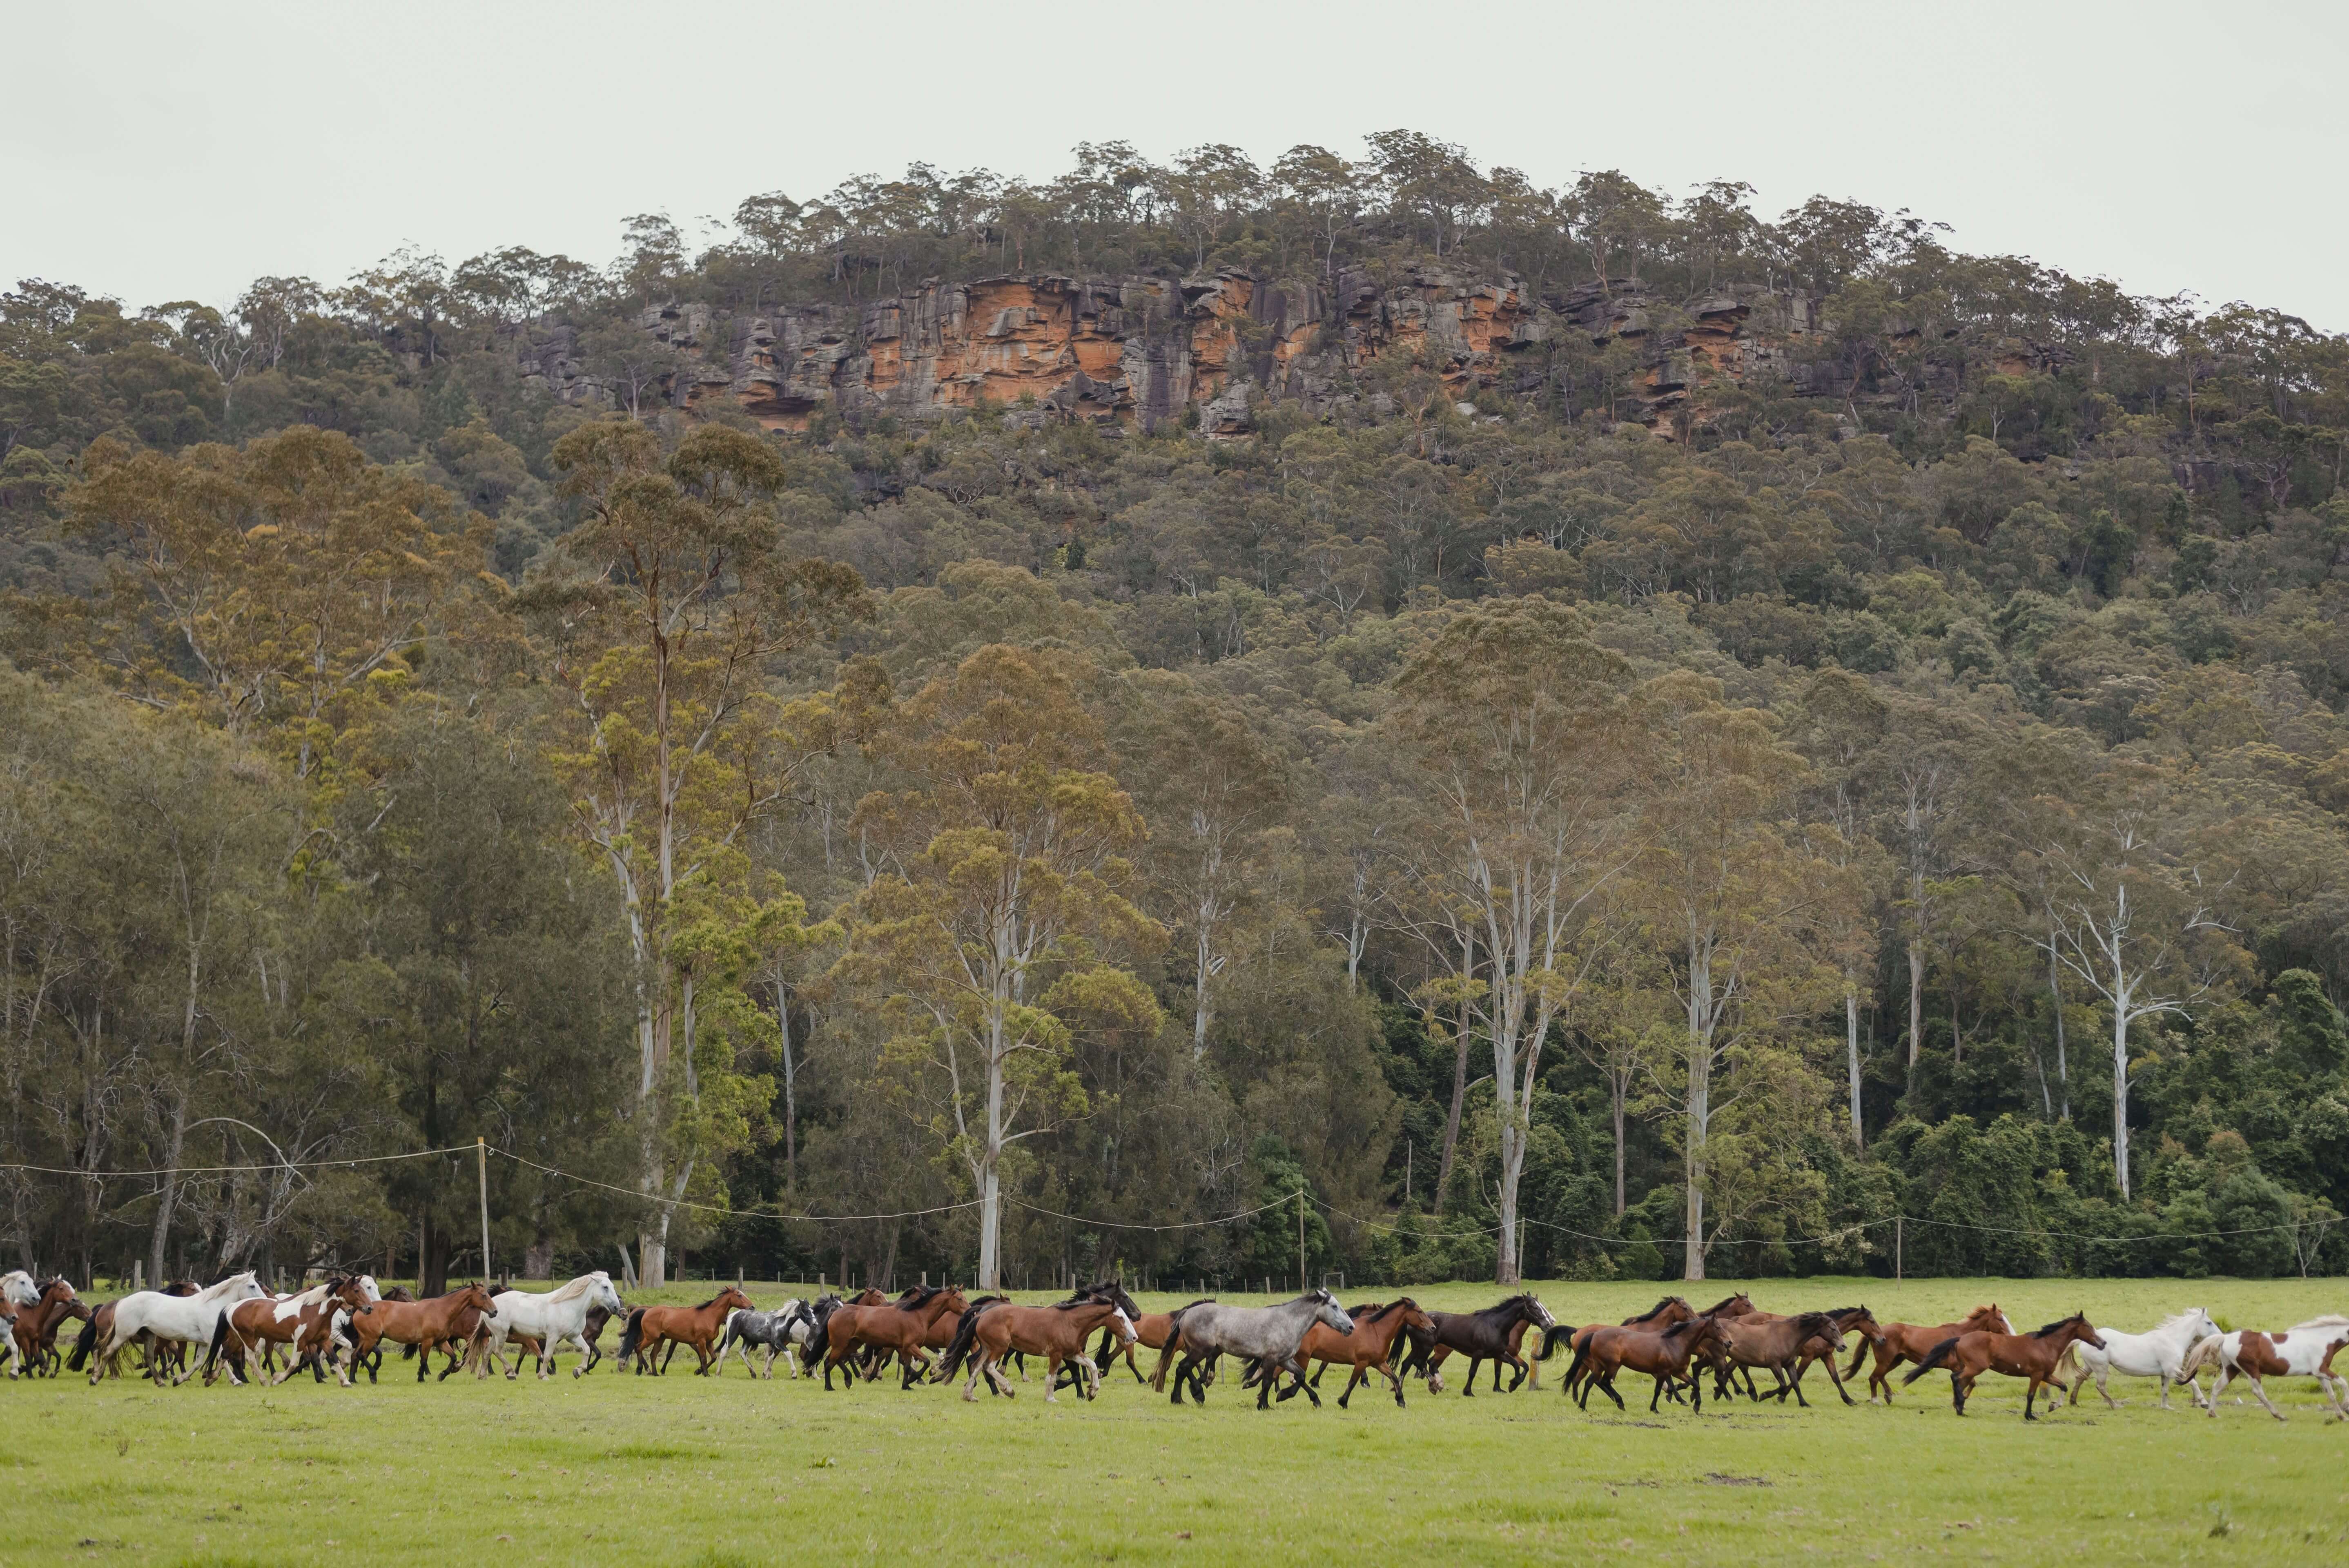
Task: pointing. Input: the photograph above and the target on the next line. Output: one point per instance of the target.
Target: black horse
(1483, 1336)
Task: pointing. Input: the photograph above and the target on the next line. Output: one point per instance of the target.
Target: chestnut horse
(698, 1326)
(995, 1329)
(424, 1325)
(35, 1328)
(1896, 1342)
(1663, 1355)
(896, 1328)
(1663, 1314)
(2033, 1356)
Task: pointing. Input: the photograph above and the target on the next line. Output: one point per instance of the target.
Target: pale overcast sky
(171, 150)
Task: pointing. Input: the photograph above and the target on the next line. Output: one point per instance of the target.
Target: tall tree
(662, 637)
(1521, 723)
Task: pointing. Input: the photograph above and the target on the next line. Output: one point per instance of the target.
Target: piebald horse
(2304, 1350)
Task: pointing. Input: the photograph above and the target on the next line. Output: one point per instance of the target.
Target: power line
(229, 1170)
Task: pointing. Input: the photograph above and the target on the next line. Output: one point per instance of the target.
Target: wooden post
(1300, 1241)
(482, 1168)
(1900, 1224)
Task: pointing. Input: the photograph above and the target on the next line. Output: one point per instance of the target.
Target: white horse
(2304, 1350)
(2159, 1352)
(17, 1289)
(188, 1319)
(554, 1318)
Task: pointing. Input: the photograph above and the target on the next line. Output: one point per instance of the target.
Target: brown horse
(1378, 1330)
(1829, 1347)
(1150, 1332)
(997, 1328)
(426, 1326)
(301, 1323)
(1779, 1344)
(698, 1326)
(35, 1328)
(897, 1328)
(1663, 1355)
(1896, 1342)
(1663, 1314)
(2033, 1356)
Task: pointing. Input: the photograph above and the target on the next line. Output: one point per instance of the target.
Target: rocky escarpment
(1145, 351)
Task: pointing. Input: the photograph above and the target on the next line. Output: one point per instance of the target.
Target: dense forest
(1590, 732)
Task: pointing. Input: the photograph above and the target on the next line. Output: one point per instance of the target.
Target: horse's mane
(1840, 1313)
(2179, 1320)
(919, 1295)
(1203, 1301)
(2330, 1320)
(706, 1306)
(1717, 1305)
(1505, 1305)
(216, 1288)
(2059, 1323)
(575, 1289)
(1643, 1317)
(1372, 1311)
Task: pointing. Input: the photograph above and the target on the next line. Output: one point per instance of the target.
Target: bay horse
(2304, 1350)
(301, 1321)
(1779, 1344)
(1663, 1355)
(1490, 1334)
(33, 1332)
(169, 1319)
(897, 1328)
(651, 1327)
(1205, 1334)
(439, 1323)
(1150, 1332)
(996, 1328)
(1899, 1342)
(2030, 1355)
(1663, 1314)
(1378, 1332)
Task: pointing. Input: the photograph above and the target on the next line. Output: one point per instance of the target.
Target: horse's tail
(84, 1343)
(727, 1338)
(1166, 1352)
(2202, 1353)
(1933, 1357)
(1581, 1356)
(1550, 1337)
(630, 1336)
(818, 1340)
(220, 1338)
(964, 1342)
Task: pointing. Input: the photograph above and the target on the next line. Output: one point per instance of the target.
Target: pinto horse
(439, 1323)
(1663, 1355)
(2304, 1350)
(302, 1322)
(35, 1330)
(900, 1328)
(2031, 1356)
(1899, 1342)
(1490, 1334)
(698, 1326)
(996, 1328)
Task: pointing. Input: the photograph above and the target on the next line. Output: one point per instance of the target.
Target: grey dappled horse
(1271, 1334)
(780, 1331)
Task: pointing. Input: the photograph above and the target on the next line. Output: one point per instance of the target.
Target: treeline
(1554, 848)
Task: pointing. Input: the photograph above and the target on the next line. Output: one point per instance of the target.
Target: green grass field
(618, 1468)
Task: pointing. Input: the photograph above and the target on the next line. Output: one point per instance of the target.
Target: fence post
(482, 1168)
(1900, 1224)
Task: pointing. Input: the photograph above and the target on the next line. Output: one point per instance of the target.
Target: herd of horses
(934, 1333)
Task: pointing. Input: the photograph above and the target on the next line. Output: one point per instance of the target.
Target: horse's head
(732, 1300)
(1326, 1310)
(1109, 1291)
(951, 1299)
(603, 1295)
(352, 1292)
(369, 1288)
(1859, 1320)
(478, 1298)
(2199, 1324)
(243, 1287)
(1738, 1305)
(1536, 1313)
(1414, 1316)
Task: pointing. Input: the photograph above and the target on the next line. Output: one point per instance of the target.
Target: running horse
(779, 1331)
(1780, 1343)
(1899, 1342)
(900, 1328)
(1379, 1328)
(1663, 1355)
(440, 1322)
(1486, 1335)
(2031, 1356)
(650, 1327)
(2159, 1352)
(545, 1321)
(33, 1332)
(100, 1325)
(2304, 1350)
(995, 1328)
(169, 1319)
(1150, 1331)
(302, 1322)
(1663, 1314)
(1203, 1334)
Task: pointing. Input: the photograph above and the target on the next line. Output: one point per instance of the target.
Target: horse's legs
(1658, 1394)
(1468, 1384)
(2258, 1386)
(1512, 1361)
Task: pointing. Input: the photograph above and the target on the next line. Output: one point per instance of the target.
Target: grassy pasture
(687, 1470)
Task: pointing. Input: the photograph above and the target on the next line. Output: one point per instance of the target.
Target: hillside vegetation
(1595, 733)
